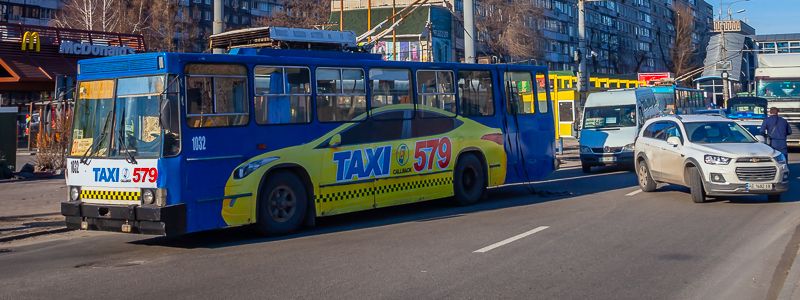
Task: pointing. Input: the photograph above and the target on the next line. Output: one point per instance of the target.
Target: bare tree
(101, 15)
(299, 14)
(507, 28)
(683, 50)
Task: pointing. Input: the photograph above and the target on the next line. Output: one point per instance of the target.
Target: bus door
(350, 162)
(217, 114)
(529, 136)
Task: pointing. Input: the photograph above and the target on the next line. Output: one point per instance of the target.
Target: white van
(611, 121)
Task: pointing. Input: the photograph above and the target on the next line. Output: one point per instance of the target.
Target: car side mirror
(761, 138)
(674, 141)
(335, 141)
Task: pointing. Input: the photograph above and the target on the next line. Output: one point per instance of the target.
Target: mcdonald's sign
(31, 41)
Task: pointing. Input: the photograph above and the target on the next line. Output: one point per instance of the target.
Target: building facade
(623, 36)
(29, 12)
(778, 43)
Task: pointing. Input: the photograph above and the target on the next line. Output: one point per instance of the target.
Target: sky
(766, 16)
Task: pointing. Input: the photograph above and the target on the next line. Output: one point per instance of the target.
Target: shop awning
(22, 73)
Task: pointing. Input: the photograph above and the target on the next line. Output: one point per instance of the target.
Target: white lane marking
(633, 193)
(511, 239)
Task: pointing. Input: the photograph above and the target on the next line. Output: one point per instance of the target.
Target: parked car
(711, 155)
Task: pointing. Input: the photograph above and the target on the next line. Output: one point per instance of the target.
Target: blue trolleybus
(680, 100)
(172, 143)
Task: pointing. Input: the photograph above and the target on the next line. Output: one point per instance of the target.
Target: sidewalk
(31, 207)
(570, 157)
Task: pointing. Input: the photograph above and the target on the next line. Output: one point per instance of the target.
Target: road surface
(575, 236)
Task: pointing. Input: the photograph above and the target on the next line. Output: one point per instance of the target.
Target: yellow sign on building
(31, 41)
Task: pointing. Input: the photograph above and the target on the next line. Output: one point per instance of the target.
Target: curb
(33, 234)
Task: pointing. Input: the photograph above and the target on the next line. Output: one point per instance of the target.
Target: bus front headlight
(74, 193)
(249, 168)
(148, 196)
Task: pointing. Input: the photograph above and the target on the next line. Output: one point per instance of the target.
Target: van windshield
(610, 116)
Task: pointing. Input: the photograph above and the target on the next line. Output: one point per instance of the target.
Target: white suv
(711, 155)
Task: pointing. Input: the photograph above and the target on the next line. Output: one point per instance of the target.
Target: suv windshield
(610, 117)
(126, 127)
(718, 132)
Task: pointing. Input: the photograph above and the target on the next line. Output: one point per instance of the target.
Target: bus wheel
(469, 180)
(282, 204)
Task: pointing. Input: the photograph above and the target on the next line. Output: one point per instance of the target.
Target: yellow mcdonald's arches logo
(31, 41)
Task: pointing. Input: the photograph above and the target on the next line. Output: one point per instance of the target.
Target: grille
(110, 195)
(610, 150)
(756, 173)
(753, 160)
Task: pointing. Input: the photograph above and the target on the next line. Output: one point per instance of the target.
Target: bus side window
(541, 94)
(282, 95)
(341, 94)
(475, 93)
(216, 95)
(519, 92)
(435, 89)
(389, 87)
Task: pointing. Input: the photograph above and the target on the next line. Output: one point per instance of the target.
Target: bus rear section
(778, 81)
(611, 122)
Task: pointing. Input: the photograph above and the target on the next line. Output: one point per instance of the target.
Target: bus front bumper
(169, 220)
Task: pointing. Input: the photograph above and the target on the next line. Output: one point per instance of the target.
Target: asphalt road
(573, 237)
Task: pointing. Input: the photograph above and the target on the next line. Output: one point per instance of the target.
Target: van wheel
(646, 182)
(696, 185)
(774, 198)
(282, 204)
(469, 180)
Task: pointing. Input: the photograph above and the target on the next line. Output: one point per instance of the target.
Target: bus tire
(469, 180)
(282, 204)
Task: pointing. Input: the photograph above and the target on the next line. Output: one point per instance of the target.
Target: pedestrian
(776, 128)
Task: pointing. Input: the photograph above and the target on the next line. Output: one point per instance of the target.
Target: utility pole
(583, 74)
(469, 32)
(218, 23)
(341, 15)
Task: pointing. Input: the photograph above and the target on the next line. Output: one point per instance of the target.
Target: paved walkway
(31, 207)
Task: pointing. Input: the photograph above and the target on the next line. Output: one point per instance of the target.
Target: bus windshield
(779, 88)
(137, 131)
(610, 117)
(126, 126)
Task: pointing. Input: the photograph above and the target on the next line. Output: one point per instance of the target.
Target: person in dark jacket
(777, 129)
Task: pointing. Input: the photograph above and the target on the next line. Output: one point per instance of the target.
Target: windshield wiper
(130, 159)
(122, 147)
(95, 146)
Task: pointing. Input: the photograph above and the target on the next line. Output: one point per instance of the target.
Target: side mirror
(335, 141)
(674, 141)
(761, 139)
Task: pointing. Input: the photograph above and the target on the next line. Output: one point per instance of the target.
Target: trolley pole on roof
(469, 32)
(218, 25)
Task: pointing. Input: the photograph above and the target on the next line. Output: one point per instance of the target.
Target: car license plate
(608, 159)
(761, 186)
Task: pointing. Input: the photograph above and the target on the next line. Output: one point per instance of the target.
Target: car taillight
(494, 137)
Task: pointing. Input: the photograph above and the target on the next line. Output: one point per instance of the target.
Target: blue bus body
(195, 179)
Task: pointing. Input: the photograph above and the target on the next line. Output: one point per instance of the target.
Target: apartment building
(28, 12)
(622, 36)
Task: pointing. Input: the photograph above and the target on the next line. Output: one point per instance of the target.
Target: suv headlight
(717, 160)
(249, 168)
(586, 150)
(628, 147)
(780, 159)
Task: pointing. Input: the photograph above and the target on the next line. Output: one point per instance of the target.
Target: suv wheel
(696, 185)
(646, 182)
